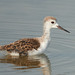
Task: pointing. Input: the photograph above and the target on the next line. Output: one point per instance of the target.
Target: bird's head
(51, 22)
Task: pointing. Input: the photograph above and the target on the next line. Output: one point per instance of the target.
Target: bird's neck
(46, 32)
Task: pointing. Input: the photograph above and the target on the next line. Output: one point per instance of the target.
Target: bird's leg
(23, 53)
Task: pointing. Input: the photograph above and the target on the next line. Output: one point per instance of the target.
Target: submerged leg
(23, 53)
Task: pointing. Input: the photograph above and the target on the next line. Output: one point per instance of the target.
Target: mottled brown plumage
(22, 46)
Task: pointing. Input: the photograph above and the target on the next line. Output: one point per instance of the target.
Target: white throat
(46, 31)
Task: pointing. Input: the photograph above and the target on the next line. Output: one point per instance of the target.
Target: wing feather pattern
(22, 46)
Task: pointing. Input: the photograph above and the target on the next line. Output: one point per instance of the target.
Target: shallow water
(24, 18)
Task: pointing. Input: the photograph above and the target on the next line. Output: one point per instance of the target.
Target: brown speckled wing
(23, 45)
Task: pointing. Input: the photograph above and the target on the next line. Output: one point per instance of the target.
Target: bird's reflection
(23, 62)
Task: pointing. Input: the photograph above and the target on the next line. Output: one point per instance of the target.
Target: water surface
(24, 18)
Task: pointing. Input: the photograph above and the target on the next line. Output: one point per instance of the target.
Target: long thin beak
(62, 29)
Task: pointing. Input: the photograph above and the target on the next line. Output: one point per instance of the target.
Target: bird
(36, 45)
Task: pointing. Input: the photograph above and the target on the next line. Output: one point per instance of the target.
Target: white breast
(40, 50)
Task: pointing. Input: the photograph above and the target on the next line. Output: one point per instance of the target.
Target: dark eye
(52, 22)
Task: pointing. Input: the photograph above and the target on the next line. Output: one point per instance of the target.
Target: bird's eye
(52, 22)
